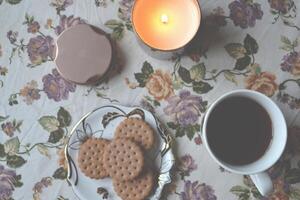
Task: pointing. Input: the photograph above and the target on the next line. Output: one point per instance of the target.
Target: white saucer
(102, 123)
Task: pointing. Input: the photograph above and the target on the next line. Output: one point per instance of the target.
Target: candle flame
(164, 18)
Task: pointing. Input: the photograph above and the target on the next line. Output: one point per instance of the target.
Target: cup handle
(263, 183)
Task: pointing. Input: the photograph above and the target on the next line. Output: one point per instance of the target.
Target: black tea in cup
(239, 130)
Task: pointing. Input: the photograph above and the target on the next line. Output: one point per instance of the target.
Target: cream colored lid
(83, 54)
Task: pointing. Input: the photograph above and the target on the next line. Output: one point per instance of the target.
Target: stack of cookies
(122, 159)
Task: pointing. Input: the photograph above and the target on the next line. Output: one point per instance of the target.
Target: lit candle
(164, 18)
(166, 25)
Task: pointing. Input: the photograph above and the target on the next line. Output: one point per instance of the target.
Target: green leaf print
(197, 72)
(179, 132)
(117, 27)
(3, 118)
(49, 123)
(60, 173)
(143, 76)
(190, 132)
(288, 45)
(64, 117)
(296, 42)
(17, 124)
(141, 79)
(251, 45)
(13, 2)
(56, 135)
(286, 40)
(156, 103)
(12, 146)
(239, 189)
(201, 87)
(172, 125)
(147, 69)
(153, 101)
(43, 150)
(257, 70)
(15, 161)
(184, 74)
(242, 63)
(235, 50)
(242, 192)
(113, 24)
(28, 19)
(177, 83)
(118, 33)
(230, 77)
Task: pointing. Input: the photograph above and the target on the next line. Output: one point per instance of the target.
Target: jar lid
(83, 54)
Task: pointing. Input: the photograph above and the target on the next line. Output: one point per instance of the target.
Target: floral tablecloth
(252, 44)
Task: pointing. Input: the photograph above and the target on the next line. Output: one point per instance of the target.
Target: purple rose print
(56, 87)
(244, 13)
(40, 48)
(7, 180)
(66, 22)
(125, 9)
(291, 63)
(187, 164)
(185, 108)
(196, 191)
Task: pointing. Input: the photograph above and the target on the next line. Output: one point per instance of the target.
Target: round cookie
(90, 158)
(123, 159)
(136, 189)
(137, 130)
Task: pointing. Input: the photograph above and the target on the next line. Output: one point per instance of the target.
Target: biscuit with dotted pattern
(137, 130)
(90, 158)
(123, 159)
(136, 189)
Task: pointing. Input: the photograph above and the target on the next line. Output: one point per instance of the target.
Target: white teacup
(256, 169)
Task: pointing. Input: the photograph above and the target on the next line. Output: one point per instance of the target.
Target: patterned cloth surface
(253, 44)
